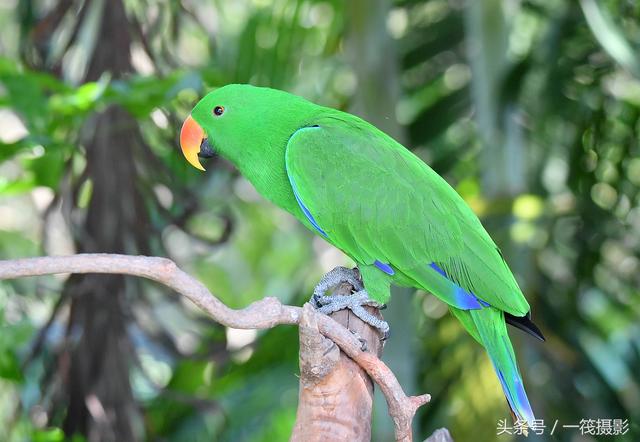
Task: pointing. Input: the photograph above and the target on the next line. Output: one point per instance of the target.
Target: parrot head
(242, 123)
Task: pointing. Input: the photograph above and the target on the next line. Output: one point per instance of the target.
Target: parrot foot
(328, 304)
(355, 303)
(333, 279)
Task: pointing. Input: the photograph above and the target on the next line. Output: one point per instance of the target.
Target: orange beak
(191, 138)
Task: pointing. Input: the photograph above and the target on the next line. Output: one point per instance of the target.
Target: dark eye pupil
(218, 110)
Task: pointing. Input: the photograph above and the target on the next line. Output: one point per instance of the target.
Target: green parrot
(373, 199)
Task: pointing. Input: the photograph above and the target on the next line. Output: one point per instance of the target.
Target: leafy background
(528, 108)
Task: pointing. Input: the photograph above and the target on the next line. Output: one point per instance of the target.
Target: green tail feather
(488, 327)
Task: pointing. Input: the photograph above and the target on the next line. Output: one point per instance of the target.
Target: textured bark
(336, 394)
(99, 398)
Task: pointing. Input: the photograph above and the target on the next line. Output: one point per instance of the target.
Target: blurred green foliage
(529, 109)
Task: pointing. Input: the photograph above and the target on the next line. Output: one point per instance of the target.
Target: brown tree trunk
(336, 395)
(99, 397)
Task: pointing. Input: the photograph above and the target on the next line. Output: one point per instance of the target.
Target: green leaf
(48, 435)
(47, 169)
(9, 365)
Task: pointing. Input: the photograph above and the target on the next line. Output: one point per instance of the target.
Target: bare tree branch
(262, 314)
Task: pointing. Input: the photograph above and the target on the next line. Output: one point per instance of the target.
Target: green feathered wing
(390, 212)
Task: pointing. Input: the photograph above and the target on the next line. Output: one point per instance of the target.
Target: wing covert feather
(377, 201)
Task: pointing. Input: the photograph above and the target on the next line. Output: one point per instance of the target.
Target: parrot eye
(218, 110)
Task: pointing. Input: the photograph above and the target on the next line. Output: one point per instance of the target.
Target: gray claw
(315, 301)
(363, 342)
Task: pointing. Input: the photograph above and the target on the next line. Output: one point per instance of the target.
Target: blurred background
(530, 109)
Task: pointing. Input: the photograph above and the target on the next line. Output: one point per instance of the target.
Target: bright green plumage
(377, 202)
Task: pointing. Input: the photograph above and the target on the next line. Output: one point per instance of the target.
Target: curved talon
(363, 342)
(315, 301)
